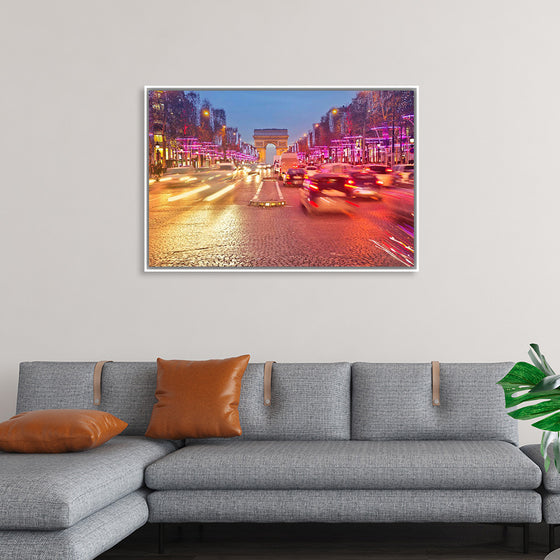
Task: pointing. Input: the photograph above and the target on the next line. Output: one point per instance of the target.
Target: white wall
(71, 212)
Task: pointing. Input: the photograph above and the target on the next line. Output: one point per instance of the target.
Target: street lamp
(335, 111)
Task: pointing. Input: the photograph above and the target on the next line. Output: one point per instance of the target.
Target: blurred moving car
(383, 172)
(229, 168)
(408, 181)
(294, 177)
(327, 192)
(404, 174)
(310, 170)
(366, 185)
(264, 169)
(399, 202)
(336, 168)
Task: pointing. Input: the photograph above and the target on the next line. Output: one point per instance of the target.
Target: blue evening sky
(295, 110)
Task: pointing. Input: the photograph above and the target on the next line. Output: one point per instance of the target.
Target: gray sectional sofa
(340, 442)
(550, 491)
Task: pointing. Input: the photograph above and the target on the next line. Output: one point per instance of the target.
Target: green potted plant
(526, 383)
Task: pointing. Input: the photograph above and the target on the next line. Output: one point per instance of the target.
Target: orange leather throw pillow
(197, 399)
(58, 431)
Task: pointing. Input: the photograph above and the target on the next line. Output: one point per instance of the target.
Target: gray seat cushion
(550, 478)
(332, 465)
(54, 491)
(346, 506)
(551, 508)
(85, 540)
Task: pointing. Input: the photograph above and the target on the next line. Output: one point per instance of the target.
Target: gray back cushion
(394, 401)
(309, 402)
(127, 389)
(44, 385)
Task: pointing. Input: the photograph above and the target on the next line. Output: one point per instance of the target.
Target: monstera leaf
(526, 383)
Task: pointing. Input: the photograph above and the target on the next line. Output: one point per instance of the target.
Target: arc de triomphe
(276, 136)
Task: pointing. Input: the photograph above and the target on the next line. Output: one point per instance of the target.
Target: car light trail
(407, 247)
(190, 193)
(188, 179)
(390, 251)
(166, 179)
(220, 193)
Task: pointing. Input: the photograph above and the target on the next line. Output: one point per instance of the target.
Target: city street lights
(205, 132)
(224, 143)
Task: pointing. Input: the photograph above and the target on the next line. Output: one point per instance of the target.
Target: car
(294, 177)
(226, 166)
(229, 168)
(264, 169)
(399, 203)
(327, 192)
(404, 174)
(366, 185)
(310, 170)
(336, 168)
(383, 172)
(407, 181)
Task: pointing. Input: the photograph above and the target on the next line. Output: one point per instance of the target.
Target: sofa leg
(525, 538)
(551, 528)
(161, 538)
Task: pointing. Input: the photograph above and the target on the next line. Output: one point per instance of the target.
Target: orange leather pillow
(58, 431)
(197, 399)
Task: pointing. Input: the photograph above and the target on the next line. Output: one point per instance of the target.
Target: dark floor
(330, 542)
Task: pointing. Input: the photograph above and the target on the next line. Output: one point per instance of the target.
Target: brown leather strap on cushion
(97, 370)
(268, 383)
(435, 384)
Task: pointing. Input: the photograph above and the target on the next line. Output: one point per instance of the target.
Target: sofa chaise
(339, 442)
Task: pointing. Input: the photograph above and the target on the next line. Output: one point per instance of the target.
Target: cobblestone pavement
(214, 220)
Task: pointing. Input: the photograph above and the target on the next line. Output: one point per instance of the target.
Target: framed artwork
(269, 179)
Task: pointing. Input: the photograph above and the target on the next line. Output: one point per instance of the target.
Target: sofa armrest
(551, 479)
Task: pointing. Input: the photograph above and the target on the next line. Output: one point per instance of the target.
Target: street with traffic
(216, 219)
